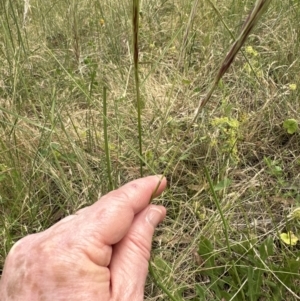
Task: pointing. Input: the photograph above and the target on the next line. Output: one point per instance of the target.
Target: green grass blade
(106, 141)
(135, 25)
(160, 284)
(217, 203)
(225, 226)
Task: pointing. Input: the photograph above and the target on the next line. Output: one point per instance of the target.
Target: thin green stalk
(186, 33)
(106, 142)
(217, 203)
(160, 284)
(135, 21)
(122, 137)
(16, 23)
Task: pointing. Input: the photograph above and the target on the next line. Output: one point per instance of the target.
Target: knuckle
(139, 244)
(120, 195)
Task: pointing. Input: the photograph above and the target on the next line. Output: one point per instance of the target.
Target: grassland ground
(234, 177)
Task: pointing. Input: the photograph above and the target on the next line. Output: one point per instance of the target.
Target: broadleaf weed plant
(75, 80)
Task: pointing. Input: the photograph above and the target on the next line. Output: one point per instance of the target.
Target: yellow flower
(289, 238)
(295, 214)
(102, 22)
(251, 50)
(231, 122)
(292, 87)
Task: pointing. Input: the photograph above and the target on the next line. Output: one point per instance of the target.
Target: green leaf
(163, 271)
(222, 184)
(200, 291)
(186, 81)
(266, 249)
(149, 156)
(289, 273)
(184, 157)
(291, 126)
(206, 251)
(211, 269)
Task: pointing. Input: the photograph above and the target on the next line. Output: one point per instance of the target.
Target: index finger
(113, 213)
(137, 193)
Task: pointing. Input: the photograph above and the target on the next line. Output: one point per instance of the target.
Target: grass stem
(135, 21)
(106, 141)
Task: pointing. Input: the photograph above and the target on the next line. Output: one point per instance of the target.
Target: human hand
(100, 253)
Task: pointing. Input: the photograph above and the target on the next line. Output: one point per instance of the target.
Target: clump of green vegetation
(291, 126)
(71, 95)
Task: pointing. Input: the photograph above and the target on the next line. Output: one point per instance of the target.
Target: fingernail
(153, 216)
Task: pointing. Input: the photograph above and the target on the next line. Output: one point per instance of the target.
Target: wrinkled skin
(100, 253)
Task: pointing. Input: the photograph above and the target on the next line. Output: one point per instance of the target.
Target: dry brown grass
(52, 159)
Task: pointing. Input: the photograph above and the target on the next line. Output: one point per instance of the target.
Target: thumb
(130, 258)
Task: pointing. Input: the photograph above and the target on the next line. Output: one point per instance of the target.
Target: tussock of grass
(55, 60)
